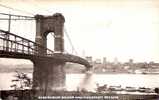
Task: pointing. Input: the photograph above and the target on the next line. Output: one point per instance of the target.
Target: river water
(75, 80)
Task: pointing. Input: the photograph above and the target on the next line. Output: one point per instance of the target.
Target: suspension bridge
(48, 65)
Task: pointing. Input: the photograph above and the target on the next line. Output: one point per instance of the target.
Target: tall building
(131, 61)
(116, 61)
(104, 62)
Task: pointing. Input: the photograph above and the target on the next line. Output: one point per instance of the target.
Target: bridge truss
(10, 42)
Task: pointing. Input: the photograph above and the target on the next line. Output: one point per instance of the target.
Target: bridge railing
(10, 42)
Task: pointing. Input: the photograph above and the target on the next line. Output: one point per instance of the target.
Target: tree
(21, 81)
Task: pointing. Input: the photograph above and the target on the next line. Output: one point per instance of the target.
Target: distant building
(98, 61)
(131, 61)
(104, 62)
(131, 64)
(116, 61)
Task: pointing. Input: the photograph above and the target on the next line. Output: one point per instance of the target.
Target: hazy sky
(102, 28)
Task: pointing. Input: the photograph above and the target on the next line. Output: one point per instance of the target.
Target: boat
(101, 88)
(115, 88)
(130, 89)
(146, 90)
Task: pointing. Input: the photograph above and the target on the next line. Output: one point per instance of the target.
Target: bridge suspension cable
(9, 17)
(69, 39)
(16, 17)
(23, 11)
(12, 17)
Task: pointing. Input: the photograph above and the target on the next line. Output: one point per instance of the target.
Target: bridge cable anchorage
(69, 39)
(23, 11)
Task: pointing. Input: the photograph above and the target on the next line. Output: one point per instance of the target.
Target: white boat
(115, 88)
(130, 89)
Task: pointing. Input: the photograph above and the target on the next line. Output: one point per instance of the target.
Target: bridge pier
(48, 75)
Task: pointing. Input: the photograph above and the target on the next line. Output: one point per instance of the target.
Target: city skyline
(121, 29)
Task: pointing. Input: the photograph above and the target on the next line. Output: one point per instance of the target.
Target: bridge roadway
(14, 46)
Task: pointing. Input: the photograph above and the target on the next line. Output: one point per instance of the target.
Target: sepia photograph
(79, 49)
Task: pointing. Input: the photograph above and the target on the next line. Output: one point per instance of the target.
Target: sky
(120, 29)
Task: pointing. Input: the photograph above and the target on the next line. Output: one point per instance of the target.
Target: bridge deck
(14, 46)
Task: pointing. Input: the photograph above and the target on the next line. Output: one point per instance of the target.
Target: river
(74, 80)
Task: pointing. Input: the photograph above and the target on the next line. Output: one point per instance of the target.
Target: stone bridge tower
(49, 74)
(47, 24)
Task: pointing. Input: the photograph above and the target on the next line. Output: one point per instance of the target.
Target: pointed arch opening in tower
(50, 41)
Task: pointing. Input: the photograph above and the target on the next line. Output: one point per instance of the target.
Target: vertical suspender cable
(9, 23)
